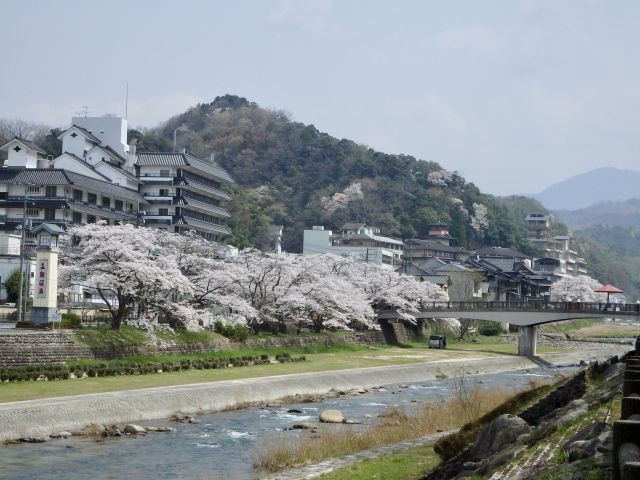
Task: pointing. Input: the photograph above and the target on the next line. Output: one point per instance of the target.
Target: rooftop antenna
(84, 111)
(126, 104)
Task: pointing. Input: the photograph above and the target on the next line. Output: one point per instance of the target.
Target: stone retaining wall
(56, 347)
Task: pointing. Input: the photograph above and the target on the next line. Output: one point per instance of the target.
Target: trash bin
(437, 341)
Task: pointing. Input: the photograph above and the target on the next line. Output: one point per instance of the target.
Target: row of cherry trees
(151, 273)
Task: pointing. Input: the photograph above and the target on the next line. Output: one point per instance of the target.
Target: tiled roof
(500, 252)
(26, 143)
(105, 187)
(161, 159)
(209, 168)
(51, 176)
(420, 244)
(437, 279)
(34, 176)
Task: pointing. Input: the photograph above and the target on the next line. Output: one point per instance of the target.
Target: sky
(515, 95)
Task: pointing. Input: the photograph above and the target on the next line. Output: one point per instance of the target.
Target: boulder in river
(303, 426)
(331, 416)
(133, 429)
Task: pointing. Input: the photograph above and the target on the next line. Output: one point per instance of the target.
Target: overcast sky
(515, 95)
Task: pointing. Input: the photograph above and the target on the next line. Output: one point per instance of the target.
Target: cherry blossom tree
(125, 266)
(577, 289)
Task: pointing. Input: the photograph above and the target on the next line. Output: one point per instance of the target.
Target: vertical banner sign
(41, 278)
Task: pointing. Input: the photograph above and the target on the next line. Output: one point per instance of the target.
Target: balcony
(201, 187)
(95, 208)
(203, 225)
(157, 198)
(156, 178)
(17, 201)
(155, 219)
(204, 207)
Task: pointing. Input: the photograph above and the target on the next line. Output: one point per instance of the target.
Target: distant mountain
(611, 214)
(606, 184)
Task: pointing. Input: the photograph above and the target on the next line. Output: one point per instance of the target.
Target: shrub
(490, 329)
(70, 320)
(237, 333)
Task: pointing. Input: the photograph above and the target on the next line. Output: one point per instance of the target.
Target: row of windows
(201, 198)
(200, 179)
(200, 216)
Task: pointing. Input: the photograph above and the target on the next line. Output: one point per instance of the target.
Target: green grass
(323, 359)
(409, 464)
(105, 337)
(570, 325)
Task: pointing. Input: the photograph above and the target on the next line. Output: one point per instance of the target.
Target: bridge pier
(527, 341)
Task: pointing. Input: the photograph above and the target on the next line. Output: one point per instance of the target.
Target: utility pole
(22, 235)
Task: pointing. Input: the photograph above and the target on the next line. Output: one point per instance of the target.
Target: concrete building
(558, 259)
(184, 193)
(357, 239)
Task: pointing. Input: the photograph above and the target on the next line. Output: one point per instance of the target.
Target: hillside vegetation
(291, 174)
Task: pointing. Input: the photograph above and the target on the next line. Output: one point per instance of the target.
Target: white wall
(111, 131)
(24, 158)
(76, 145)
(67, 163)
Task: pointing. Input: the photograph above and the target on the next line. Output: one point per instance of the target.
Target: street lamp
(181, 128)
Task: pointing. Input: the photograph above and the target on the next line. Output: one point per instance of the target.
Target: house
(365, 243)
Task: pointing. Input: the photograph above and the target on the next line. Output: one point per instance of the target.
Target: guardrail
(626, 431)
(536, 306)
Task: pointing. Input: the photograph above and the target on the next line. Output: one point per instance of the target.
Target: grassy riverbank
(319, 359)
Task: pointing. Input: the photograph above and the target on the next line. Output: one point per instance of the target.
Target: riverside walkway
(526, 315)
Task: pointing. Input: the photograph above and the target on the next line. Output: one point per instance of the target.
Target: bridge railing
(536, 305)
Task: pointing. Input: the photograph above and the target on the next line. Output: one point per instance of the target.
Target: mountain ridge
(589, 188)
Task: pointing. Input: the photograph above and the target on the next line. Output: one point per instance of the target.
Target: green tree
(12, 285)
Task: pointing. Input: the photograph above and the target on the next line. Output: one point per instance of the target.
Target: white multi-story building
(99, 176)
(358, 240)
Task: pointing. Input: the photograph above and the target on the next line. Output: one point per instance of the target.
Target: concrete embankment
(45, 416)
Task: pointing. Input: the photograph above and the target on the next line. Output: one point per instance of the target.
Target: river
(223, 444)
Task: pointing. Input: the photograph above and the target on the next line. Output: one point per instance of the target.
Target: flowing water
(224, 444)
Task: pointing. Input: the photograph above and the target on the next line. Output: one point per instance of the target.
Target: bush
(70, 320)
(490, 329)
(237, 333)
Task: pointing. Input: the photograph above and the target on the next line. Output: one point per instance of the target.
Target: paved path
(317, 469)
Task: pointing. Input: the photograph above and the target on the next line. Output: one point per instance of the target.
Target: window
(77, 217)
(163, 211)
(33, 189)
(33, 212)
(164, 192)
(119, 205)
(49, 213)
(106, 202)
(92, 198)
(3, 195)
(91, 219)
(165, 173)
(51, 191)
(77, 195)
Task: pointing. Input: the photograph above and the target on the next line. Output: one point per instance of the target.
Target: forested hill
(292, 174)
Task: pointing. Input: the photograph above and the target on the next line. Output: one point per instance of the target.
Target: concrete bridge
(526, 315)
